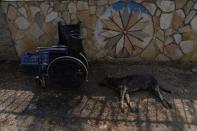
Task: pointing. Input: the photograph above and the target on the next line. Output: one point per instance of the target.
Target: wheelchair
(64, 64)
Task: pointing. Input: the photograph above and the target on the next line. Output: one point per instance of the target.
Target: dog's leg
(167, 91)
(129, 103)
(164, 102)
(159, 93)
(123, 90)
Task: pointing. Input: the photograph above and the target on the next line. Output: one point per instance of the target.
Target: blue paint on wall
(132, 6)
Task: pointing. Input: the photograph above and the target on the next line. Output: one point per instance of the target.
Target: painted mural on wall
(124, 29)
(138, 30)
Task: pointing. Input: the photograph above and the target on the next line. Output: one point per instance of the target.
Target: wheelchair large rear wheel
(67, 71)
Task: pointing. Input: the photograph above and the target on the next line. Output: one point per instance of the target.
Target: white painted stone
(23, 11)
(72, 8)
(194, 23)
(177, 38)
(151, 7)
(190, 16)
(166, 5)
(82, 5)
(35, 31)
(187, 46)
(58, 19)
(22, 23)
(51, 16)
(166, 20)
(195, 6)
(34, 10)
(12, 13)
(180, 13)
(44, 7)
(188, 6)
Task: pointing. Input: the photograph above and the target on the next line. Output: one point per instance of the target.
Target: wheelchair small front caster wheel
(41, 82)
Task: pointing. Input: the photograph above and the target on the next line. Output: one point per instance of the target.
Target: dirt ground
(24, 106)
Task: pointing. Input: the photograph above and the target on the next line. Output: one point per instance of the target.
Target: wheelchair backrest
(69, 35)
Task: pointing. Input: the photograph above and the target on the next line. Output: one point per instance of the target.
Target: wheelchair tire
(68, 71)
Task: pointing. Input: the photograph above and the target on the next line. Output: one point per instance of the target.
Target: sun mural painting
(124, 29)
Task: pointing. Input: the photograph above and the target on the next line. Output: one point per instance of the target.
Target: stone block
(177, 38)
(151, 7)
(23, 11)
(166, 20)
(44, 7)
(34, 10)
(35, 31)
(194, 23)
(166, 5)
(194, 56)
(39, 19)
(190, 16)
(22, 23)
(187, 46)
(72, 7)
(66, 17)
(92, 10)
(51, 16)
(12, 13)
(82, 5)
(188, 6)
(150, 52)
(173, 51)
(49, 28)
(190, 35)
(178, 19)
(180, 3)
(101, 2)
(162, 58)
(25, 45)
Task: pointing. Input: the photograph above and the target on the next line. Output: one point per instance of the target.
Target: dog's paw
(167, 105)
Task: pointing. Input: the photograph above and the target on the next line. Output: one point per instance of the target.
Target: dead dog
(133, 83)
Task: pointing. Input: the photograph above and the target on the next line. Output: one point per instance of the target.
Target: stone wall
(7, 49)
(173, 36)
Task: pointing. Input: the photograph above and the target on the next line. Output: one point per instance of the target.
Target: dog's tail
(165, 90)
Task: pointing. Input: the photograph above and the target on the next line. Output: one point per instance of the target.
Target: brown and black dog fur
(133, 83)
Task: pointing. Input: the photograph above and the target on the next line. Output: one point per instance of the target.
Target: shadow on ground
(24, 106)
